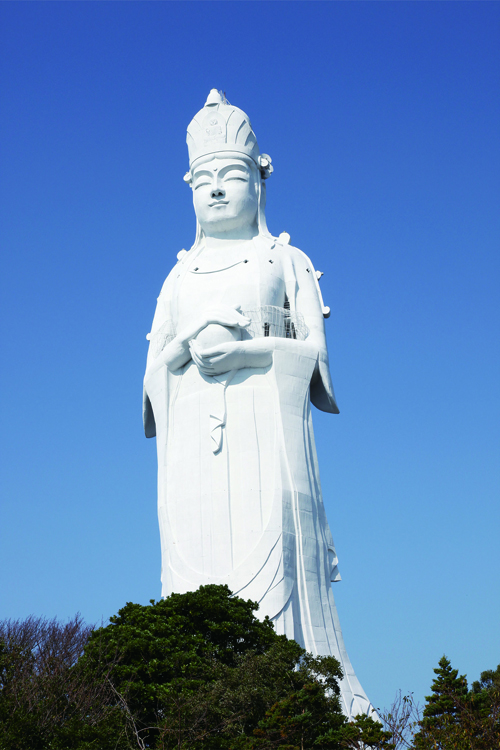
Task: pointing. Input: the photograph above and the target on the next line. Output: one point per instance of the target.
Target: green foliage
(45, 700)
(455, 718)
(171, 652)
(447, 687)
(485, 697)
(489, 681)
(309, 716)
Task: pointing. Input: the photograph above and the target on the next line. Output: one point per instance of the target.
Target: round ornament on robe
(216, 334)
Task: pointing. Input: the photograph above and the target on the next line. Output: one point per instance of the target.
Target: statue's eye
(201, 183)
(236, 176)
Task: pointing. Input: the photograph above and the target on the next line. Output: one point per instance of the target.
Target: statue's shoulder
(303, 269)
(167, 284)
(298, 257)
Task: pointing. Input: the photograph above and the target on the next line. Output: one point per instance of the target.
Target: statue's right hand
(225, 316)
(176, 354)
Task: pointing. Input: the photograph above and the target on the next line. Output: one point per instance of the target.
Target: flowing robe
(239, 495)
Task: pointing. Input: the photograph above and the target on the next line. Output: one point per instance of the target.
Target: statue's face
(225, 196)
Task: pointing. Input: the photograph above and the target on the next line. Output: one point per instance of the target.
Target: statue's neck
(219, 243)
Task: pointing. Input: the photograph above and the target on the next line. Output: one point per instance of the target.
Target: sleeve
(303, 287)
(159, 319)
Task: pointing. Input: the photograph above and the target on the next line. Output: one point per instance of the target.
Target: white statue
(237, 352)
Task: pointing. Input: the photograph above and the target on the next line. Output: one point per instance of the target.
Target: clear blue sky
(383, 123)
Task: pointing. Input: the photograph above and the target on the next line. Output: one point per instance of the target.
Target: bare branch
(402, 719)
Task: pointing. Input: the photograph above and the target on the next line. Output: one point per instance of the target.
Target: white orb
(215, 334)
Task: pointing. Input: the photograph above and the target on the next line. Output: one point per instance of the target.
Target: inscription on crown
(215, 129)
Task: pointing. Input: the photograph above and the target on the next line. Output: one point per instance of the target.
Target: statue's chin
(241, 226)
(215, 334)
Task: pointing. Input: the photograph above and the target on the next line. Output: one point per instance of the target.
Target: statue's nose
(218, 193)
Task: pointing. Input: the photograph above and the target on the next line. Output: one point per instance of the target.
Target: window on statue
(290, 332)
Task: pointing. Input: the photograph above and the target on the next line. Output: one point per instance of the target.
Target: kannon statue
(237, 354)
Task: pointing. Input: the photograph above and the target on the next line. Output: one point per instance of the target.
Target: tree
(485, 694)
(44, 697)
(455, 718)
(172, 650)
(402, 720)
(489, 681)
(441, 715)
(199, 670)
(310, 717)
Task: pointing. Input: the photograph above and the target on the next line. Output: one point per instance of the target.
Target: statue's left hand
(232, 355)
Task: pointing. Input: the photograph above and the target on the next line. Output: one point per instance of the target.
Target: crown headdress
(221, 127)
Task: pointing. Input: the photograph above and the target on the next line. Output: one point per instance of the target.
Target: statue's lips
(219, 203)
